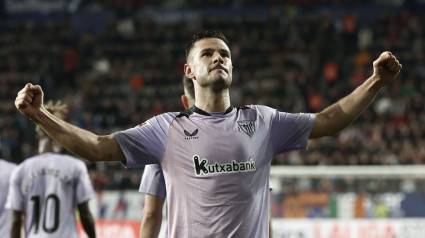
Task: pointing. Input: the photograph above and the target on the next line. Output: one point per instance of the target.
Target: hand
(29, 101)
(386, 68)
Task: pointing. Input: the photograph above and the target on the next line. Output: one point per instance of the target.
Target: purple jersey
(153, 182)
(216, 168)
(48, 187)
(6, 169)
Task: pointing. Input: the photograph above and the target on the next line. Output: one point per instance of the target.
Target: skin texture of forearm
(87, 220)
(79, 141)
(88, 224)
(341, 114)
(270, 223)
(16, 223)
(152, 217)
(149, 227)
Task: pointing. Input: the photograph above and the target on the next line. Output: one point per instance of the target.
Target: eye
(206, 54)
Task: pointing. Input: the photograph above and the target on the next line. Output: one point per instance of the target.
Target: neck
(210, 101)
(46, 145)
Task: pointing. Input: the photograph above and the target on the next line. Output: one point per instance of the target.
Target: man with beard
(215, 157)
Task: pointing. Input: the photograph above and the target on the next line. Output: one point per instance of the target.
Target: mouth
(219, 67)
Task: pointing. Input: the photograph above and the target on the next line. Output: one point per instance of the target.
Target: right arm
(15, 224)
(151, 217)
(87, 219)
(81, 142)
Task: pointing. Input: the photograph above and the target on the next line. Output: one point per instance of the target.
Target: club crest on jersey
(203, 168)
(247, 126)
(192, 135)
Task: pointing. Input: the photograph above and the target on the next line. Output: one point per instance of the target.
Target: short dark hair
(204, 35)
(188, 85)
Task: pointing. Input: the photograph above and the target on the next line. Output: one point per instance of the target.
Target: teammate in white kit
(47, 189)
(6, 169)
(215, 157)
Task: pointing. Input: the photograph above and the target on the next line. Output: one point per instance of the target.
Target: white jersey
(216, 166)
(153, 182)
(48, 187)
(6, 169)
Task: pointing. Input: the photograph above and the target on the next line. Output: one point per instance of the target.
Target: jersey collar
(202, 112)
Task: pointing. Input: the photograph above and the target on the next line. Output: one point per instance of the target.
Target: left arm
(150, 225)
(15, 224)
(341, 114)
(87, 219)
(270, 221)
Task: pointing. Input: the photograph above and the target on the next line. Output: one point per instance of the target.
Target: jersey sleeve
(15, 198)
(153, 182)
(83, 188)
(288, 131)
(145, 143)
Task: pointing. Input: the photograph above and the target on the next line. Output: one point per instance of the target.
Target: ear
(188, 71)
(185, 101)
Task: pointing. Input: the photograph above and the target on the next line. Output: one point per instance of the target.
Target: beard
(221, 83)
(217, 82)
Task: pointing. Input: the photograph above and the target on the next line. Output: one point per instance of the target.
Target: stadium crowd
(298, 61)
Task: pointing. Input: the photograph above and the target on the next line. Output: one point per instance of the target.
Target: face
(210, 64)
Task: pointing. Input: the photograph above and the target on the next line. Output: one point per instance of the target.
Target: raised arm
(341, 114)
(81, 142)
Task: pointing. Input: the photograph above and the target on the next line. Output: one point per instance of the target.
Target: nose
(217, 58)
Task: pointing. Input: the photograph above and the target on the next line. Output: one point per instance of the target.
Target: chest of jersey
(219, 141)
(224, 148)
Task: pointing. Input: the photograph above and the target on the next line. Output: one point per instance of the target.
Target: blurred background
(117, 63)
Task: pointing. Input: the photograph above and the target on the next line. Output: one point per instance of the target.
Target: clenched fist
(386, 68)
(29, 101)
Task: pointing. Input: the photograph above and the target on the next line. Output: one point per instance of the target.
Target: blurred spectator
(129, 72)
